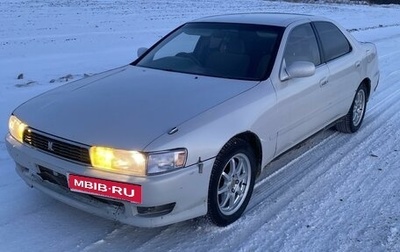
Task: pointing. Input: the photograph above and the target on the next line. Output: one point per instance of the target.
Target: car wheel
(231, 183)
(352, 121)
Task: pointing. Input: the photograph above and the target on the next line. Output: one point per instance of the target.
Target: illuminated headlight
(166, 161)
(16, 128)
(119, 161)
(134, 162)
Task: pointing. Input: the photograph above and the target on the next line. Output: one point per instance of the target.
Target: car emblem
(50, 146)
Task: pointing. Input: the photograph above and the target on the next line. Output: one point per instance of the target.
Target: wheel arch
(367, 83)
(255, 144)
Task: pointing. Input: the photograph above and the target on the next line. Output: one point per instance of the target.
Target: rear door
(344, 70)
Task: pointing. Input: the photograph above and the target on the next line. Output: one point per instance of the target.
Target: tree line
(383, 1)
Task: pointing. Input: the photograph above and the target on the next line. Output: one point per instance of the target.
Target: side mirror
(297, 69)
(141, 51)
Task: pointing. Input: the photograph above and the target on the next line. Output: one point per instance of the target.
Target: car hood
(126, 108)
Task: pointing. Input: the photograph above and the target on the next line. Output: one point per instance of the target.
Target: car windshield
(226, 50)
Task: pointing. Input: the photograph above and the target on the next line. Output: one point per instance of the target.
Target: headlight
(119, 161)
(136, 163)
(16, 128)
(166, 161)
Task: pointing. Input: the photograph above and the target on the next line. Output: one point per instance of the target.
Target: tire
(351, 122)
(231, 183)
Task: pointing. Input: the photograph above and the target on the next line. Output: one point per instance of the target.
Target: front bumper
(166, 198)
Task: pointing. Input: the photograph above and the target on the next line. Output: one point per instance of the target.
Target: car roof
(265, 18)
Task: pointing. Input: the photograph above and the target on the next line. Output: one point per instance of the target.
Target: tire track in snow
(126, 233)
(334, 161)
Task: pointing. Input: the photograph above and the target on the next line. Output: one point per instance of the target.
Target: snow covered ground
(334, 192)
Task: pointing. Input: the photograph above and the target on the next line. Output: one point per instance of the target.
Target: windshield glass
(237, 51)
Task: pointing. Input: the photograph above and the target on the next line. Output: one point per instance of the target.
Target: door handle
(323, 82)
(358, 63)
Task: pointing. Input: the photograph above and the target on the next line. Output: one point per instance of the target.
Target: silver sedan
(184, 130)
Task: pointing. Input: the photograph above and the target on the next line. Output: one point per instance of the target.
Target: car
(185, 129)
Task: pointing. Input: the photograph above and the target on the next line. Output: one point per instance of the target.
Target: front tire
(351, 122)
(231, 183)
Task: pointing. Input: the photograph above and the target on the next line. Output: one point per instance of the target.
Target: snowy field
(334, 192)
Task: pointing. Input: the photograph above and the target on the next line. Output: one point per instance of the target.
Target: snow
(334, 192)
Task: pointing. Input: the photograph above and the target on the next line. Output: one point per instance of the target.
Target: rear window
(334, 43)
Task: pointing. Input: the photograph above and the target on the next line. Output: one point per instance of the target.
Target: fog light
(156, 211)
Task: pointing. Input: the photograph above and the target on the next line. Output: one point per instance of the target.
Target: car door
(344, 70)
(299, 102)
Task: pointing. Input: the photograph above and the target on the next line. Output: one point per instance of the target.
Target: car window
(226, 50)
(334, 43)
(302, 46)
(182, 43)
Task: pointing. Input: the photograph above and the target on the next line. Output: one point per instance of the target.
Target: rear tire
(351, 122)
(231, 183)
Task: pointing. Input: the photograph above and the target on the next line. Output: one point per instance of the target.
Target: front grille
(56, 147)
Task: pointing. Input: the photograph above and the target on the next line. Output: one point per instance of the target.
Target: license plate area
(105, 188)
